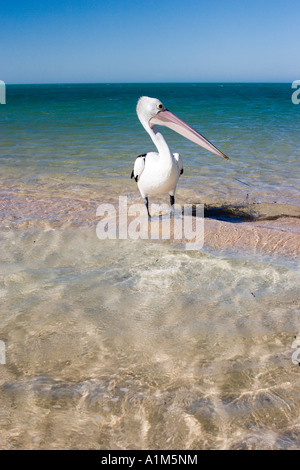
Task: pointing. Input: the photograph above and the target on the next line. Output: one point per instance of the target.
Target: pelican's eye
(160, 106)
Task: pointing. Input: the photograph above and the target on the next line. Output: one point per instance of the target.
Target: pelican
(158, 172)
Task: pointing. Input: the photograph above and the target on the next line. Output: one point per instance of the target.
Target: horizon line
(148, 83)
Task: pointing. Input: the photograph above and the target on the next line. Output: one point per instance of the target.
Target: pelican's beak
(168, 119)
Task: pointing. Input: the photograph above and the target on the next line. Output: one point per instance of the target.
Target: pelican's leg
(172, 202)
(147, 206)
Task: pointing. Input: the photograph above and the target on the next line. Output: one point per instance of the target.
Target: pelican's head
(151, 112)
(147, 108)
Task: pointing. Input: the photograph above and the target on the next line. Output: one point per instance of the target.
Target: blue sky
(149, 41)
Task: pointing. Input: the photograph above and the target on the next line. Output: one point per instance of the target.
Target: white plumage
(158, 172)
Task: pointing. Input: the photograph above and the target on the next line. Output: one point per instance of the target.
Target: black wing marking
(143, 155)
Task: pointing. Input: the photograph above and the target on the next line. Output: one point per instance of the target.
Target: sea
(131, 343)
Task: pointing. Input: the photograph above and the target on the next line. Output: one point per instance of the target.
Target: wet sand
(264, 228)
(272, 229)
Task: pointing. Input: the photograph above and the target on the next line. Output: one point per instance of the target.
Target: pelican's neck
(160, 142)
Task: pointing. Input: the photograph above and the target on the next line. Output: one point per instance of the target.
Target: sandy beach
(124, 344)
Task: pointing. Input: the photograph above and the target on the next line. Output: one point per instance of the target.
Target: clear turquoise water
(124, 344)
(91, 133)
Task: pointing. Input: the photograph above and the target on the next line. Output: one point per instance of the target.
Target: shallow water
(141, 344)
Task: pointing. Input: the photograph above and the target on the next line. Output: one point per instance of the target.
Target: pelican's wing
(139, 166)
(179, 162)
